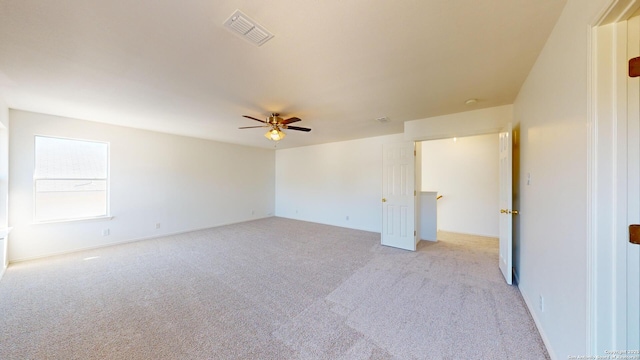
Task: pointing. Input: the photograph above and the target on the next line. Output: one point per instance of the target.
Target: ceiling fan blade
(298, 128)
(290, 120)
(252, 118)
(251, 127)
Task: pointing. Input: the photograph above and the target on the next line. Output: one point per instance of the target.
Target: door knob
(515, 212)
(384, 200)
(503, 211)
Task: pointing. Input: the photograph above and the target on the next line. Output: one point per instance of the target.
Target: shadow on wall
(516, 200)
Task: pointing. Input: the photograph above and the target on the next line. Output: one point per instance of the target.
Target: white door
(633, 191)
(398, 193)
(506, 201)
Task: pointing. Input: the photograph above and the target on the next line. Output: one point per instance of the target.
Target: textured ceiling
(170, 65)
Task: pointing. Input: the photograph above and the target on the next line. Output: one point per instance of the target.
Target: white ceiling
(170, 66)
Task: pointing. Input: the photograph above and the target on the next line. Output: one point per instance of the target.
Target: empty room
(260, 180)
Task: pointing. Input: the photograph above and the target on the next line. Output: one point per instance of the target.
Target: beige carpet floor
(267, 289)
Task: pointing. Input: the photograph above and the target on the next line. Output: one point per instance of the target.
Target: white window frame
(107, 216)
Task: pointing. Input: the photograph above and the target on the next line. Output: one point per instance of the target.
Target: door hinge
(414, 193)
(634, 67)
(634, 234)
(414, 153)
(414, 233)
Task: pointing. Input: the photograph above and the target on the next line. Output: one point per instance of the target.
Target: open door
(398, 196)
(506, 203)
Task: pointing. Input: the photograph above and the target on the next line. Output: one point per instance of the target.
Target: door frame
(606, 183)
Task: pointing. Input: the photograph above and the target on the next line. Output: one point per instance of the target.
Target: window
(70, 179)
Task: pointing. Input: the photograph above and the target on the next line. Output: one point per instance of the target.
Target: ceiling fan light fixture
(275, 134)
(275, 124)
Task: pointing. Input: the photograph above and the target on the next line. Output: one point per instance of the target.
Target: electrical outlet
(541, 303)
(106, 232)
(347, 217)
(528, 178)
(157, 225)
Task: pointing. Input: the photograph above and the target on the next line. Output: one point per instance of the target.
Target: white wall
(552, 109)
(326, 183)
(182, 183)
(4, 162)
(4, 182)
(465, 173)
(468, 123)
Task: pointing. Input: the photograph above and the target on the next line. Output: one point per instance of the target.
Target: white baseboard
(155, 236)
(464, 233)
(330, 224)
(536, 320)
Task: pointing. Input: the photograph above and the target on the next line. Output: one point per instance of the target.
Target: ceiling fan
(275, 124)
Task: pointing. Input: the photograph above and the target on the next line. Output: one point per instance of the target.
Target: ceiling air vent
(247, 29)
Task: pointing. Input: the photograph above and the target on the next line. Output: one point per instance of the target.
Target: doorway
(613, 317)
(472, 177)
(464, 171)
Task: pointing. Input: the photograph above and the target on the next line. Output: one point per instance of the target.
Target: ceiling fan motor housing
(274, 118)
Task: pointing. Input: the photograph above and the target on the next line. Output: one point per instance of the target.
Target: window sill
(99, 218)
